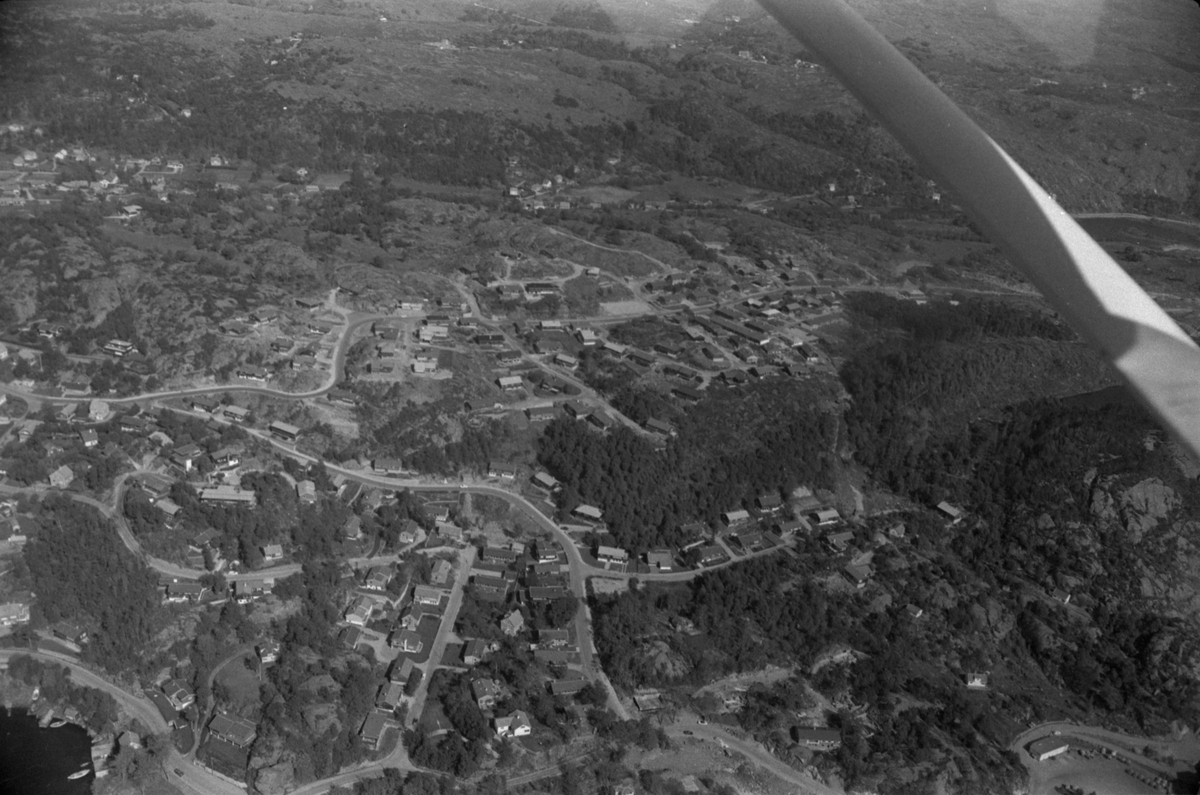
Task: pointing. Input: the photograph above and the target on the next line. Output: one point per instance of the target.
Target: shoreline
(14, 694)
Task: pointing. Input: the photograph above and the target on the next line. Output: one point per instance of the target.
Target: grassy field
(240, 686)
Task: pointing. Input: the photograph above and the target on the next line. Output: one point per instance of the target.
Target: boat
(77, 774)
(58, 724)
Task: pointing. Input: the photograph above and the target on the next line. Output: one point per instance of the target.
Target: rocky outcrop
(1138, 509)
(1144, 505)
(276, 779)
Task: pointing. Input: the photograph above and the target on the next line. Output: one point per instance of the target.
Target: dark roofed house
(497, 555)
(232, 729)
(553, 656)
(566, 687)
(373, 729)
(769, 502)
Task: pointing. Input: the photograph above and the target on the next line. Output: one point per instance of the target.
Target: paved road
(353, 323)
(465, 559)
(237, 654)
(133, 705)
(756, 753)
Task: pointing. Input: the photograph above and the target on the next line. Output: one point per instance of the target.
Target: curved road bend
(339, 359)
(197, 779)
(757, 754)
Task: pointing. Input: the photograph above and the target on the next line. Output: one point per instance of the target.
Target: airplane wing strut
(1157, 359)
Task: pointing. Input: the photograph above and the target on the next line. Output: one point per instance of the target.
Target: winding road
(756, 753)
(199, 780)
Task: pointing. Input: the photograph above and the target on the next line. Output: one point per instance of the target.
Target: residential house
(1048, 747)
(378, 579)
(545, 480)
(473, 651)
(232, 729)
(819, 738)
(485, 692)
(512, 623)
(425, 595)
(237, 414)
(284, 431)
(373, 729)
(546, 593)
(553, 638)
(567, 687)
(606, 554)
(858, 576)
(389, 695)
(825, 517)
(61, 477)
(514, 725)
(498, 555)
(359, 613)
(406, 640)
(228, 494)
(839, 541)
(951, 512)
(184, 591)
(247, 590)
(13, 613)
(660, 560)
(410, 531)
(440, 572)
(732, 518)
(227, 457)
(509, 383)
(306, 490)
(589, 512)
(181, 695)
(658, 426)
(252, 372)
(268, 651)
(401, 670)
(977, 681)
(769, 502)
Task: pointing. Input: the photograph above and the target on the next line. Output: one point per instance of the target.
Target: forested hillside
(734, 446)
(82, 573)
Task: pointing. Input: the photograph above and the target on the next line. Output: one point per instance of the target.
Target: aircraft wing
(1157, 359)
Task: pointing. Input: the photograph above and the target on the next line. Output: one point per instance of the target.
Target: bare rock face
(666, 662)
(1103, 506)
(277, 779)
(1144, 505)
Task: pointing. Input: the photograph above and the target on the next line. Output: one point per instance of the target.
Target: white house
(514, 725)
